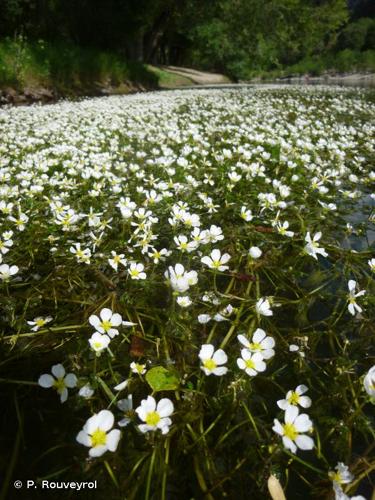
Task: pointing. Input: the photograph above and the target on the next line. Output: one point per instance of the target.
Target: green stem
(149, 476)
(165, 472)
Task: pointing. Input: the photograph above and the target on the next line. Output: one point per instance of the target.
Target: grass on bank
(169, 80)
(66, 67)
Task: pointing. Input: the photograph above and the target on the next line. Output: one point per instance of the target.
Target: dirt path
(198, 77)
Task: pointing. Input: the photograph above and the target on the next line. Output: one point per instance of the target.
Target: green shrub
(64, 65)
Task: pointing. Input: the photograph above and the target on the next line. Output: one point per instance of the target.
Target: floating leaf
(161, 379)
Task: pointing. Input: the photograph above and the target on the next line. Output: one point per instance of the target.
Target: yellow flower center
(216, 263)
(97, 345)
(59, 385)
(293, 398)
(209, 364)
(249, 363)
(40, 322)
(106, 325)
(98, 438)
(255, 346)
(152, 418)
(134, 272)
(139, 368)
(290, 431)
(116, 259)
(335, 476)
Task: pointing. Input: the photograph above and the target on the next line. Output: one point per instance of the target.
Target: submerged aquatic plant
(171, 237)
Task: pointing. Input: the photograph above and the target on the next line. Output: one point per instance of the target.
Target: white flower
(6, 272)
(340, 495)
(6, 243)
(251, 363)
(282, 229)
(353, 306)
(39, 322)
(20, 221)
(255, 252)
(204, 318)
(371, 263)
(116, 260)
(234, 176)
(136, 271)
(312, 248)
(213, 234)
(126, 406)
(216, 260)
(293, 428)
(295, 398)
(106, 322)
(263, 307)
(342, 474)
(259, 343)
(86, 391)
(60, 381)
(138, 368)
(180, 279)
(369, 382)
(211, 360)
(158, 255)
(184, 245)
(156, 417)
(246, 214)
(96, 436)
(98, 342)
(82, 255)
(224, 313)
(184, 301)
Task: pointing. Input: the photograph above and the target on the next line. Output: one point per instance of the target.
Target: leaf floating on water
(161, 379)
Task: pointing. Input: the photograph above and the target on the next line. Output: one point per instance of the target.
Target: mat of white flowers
(187, 293)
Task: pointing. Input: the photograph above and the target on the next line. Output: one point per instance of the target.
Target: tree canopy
(226, 35)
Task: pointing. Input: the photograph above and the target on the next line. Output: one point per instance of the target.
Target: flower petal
(105, 420)
(46, 380)
(165, 407)
(58, 371)
(106, 314)
(305, 442)
(220, 357)
(83, 438)
(98, 451)
(206, 351)
(259, 335)
(113, 439)
(290, 414)
(70, 380)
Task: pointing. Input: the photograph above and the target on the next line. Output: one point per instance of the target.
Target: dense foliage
(237, 37)
(187, 294)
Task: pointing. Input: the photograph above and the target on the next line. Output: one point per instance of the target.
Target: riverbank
(354, 79)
